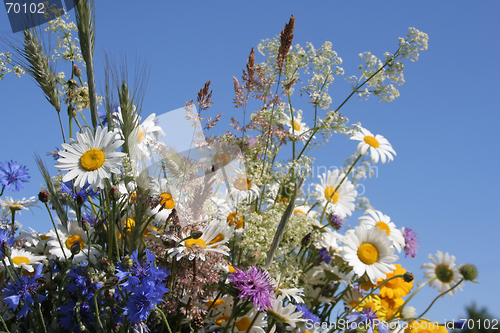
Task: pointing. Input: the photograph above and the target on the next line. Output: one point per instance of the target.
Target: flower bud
(196, 234)
(408, 312)
(77, 71)
(468, 271)
(408, 277)
(306, 241)
(6, 250)
(127, 262)
(44, 196)
(75, 248)
(86, 225)
(72, 83)
(115, 193)
(335, 221)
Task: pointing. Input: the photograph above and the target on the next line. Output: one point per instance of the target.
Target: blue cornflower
(5, 236)
(141, 302)
(80, 196)
(55, 154)
(103, 117)
(23, 291)
(11, 174)
(90, 219)
(325, 255)
(144, 285)
(81, 283)
(308, 315)
(142, 273)
(68, 316)
(368, 317)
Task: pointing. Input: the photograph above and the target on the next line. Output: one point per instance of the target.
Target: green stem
(412, 295)
(4, 324)
(440, 295)
(55, 229)
(164, 318)
(253, 322)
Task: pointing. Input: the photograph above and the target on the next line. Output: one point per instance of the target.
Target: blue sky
(444, 127)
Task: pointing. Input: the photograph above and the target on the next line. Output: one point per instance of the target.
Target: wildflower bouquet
(225, 234)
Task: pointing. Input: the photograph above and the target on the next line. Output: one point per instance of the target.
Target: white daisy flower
(352, 297)
(378, 145)
(90, 158)
(34, 241)
(12, 205)
(333, 273)
(242, 188)
(142, 136)
(285, 314)
(296, 126)
(383, 222)
(369, 251)
(340, 202)
(328, 239)
(290, 293)
(25, 259)
(214, 236)
(166, 203)
(446, 272)
(69, 236)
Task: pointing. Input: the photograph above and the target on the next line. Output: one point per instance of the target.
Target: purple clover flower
(23, 291)
(255, 285)
(335, 221)
(12, 174)
(411, 242)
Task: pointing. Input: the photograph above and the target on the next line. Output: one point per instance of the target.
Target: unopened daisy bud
(408, 312)
(127, 262)
(6, 250)
(408, 277)
(196, 234)
(43, 196)
(72, 112)
(306, 241)
(77, 71)
(468, 271)
(72, 83)
(86, 225)
(115, 193)
(75, 248)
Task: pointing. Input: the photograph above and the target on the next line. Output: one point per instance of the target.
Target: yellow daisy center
(92, 159)
(196, 242)
(219, 320)
(215, 303)
(73, 239)
(296, 125)
(218, 238)
(367, 253)
(231, 269)
(44, 237)
(140, 136)
(167, 201)
(221, 159)
(297, 211)
(235, 217)
(328, 194)
(243, 184)
(243, 324)
(444, 273)
(282, 200)
(20, 260)
(383, 227)
(370, 140)
(353, 303)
